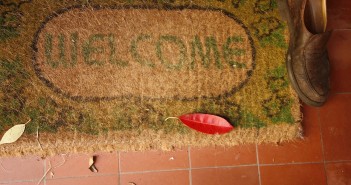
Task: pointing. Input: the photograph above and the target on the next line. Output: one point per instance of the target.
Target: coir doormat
(104, 75)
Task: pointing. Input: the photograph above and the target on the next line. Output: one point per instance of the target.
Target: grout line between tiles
(339, 161)
(19, 181)
(343, 93)
(297, 163)
(184, 169)
(341, 29)
(217, 167)
(322, 143)
(190, 167)
(258, 166)
(119, 167)
(44, 171)
(154, 171)
(83, 176)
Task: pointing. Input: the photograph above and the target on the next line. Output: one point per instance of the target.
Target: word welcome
(205, 51)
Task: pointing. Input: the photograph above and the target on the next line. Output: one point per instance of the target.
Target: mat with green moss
(100, 75)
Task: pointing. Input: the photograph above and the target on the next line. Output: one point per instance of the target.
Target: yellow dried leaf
(13, 134)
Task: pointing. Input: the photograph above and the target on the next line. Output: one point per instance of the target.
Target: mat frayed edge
(71, 143)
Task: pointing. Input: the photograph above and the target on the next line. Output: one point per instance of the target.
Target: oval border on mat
(55, 14)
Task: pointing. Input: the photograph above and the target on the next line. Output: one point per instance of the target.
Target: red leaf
(206, 123)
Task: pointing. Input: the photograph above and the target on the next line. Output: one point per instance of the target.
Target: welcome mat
(104, 75)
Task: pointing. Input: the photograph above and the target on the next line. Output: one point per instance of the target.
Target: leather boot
(316, 16)
(307, 58)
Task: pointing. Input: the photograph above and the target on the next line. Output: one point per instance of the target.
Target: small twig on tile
(51, 168)
(41, 147)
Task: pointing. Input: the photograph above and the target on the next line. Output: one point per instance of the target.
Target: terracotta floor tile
(338, 4)
(338, 14)
(339, 173)
(336, 127)
(77, 165)
(340, 60)
(307, 150)
(226, 176)
(26, 168)
(154, 160)
(218, 156)
(339, 18)
(95, 180)
(157, 178)
(306, 174)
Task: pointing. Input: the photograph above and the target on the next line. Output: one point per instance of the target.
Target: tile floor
(322, 158)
